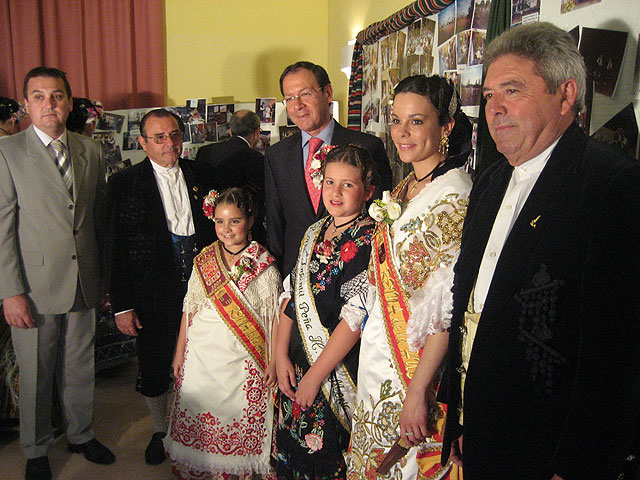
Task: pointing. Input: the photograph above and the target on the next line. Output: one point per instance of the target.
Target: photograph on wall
(110, 121)
(110, 148)
(182, 112)
(567, 6)
(471, 90)
(525, 11)
(427, 33)
(476, 47)
(210, 132)
(575, 34)
(223, 131)
(264, 141)
(426, 65)
(130, 141)
(464, 15)
(286, 131)
(447, 54)
(454, 77)
(414, 38)
(196, 110)
(266, 110)
(370, 69)
(463, 39)
(197, 132)
(116, 167)
(603, 51)
(481, 14)
(412, 65)
(446, 23)
(621, 131)
(133, 120)
(220, 113)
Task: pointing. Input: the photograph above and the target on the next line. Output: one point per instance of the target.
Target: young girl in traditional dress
(414, 250)
(316, 353)
(222, 419)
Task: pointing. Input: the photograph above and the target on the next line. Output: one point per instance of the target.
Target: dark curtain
(499, 21)
(111, 50)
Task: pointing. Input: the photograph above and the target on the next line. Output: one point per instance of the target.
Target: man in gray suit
(52, 190)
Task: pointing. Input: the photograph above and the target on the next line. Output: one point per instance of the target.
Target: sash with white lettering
(315, 336)
(394, 303)
(229, 300)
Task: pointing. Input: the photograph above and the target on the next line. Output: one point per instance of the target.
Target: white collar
(46, 139)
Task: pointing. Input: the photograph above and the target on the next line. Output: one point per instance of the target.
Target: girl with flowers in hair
(222, 420)
(414, 249)
(322, 310)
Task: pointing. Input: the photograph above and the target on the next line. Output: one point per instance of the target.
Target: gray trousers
(60, 345)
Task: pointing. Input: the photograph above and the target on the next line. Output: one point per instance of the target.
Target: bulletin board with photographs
(205, 123)
(450, 43)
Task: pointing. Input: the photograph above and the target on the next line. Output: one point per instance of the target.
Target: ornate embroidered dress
(412, 271)
(329, 283)
(222, 419)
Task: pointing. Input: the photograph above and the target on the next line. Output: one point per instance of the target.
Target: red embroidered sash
(228, 299)
(395, 305)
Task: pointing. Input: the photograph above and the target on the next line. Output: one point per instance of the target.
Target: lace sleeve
(427, 260)
(196, 297)
(355, 293)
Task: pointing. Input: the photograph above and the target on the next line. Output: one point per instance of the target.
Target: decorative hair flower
(209, 204)
(317, 164)
(20, 113)
(387, 210)
(95, 112)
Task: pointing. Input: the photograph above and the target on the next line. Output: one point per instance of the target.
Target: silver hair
(553, 50)
(244, 123)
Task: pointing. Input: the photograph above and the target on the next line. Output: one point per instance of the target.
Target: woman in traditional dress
(316, 351)
(222, 420)
(414, 249)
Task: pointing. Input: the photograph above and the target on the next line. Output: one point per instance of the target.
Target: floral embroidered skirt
(221, 421)
(310, 443)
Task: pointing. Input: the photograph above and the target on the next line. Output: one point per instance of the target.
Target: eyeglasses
(304, 95)
(160, 139)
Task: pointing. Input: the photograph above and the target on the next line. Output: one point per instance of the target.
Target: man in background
(543, 366)
(292, 201)
(52, 189)
(157, 228)
(236, 163)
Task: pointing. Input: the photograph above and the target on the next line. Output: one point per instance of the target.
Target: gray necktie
(64, 166)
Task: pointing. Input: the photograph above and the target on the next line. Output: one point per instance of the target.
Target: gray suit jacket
(49, 239)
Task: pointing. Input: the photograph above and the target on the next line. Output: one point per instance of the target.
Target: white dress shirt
(523, 178)
(175, 199)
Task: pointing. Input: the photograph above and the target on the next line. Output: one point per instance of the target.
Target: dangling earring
(443, 148)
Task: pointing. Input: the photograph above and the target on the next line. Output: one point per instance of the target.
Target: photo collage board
(450, 43)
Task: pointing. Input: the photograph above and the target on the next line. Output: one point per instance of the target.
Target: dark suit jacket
(289, 207)
(233, 163)
(553, 380)
(142, 271)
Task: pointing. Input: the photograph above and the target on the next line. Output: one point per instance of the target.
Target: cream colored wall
(238, 48)
(346, 19)
(227, 48)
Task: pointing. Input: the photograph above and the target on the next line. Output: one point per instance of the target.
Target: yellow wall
(346, 19)
(238, 48)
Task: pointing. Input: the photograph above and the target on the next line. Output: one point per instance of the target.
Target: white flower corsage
(385, 210)
(317, 164)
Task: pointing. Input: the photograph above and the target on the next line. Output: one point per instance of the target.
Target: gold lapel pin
(534, 221)
(195, 188)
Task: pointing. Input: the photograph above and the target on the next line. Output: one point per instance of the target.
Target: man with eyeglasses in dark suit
(290, 208)
(157, 227)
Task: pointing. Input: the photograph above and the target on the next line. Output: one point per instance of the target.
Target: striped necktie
(64, 166)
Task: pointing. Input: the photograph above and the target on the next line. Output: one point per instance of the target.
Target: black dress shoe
(154, 454)
(38, 469)
(93, 451)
